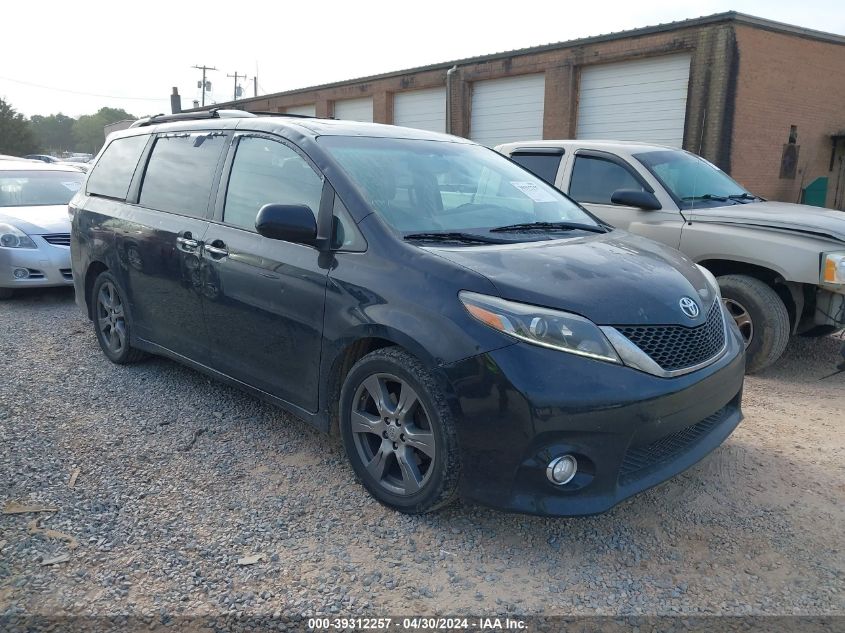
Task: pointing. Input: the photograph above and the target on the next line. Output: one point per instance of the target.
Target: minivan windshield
(424, 188)
(693, 181)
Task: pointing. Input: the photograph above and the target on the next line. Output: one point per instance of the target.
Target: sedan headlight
(13, 237)
(833, 268)
(541, 326)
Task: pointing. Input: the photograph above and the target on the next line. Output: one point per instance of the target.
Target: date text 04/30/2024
(416, 624)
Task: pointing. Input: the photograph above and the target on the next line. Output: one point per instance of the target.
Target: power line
(238, 90)
(204, 84)
(78, 92)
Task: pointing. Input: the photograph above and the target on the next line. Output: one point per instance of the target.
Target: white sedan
(34, 224)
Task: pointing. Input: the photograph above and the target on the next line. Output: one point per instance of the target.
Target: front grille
(58, 239)
(667, 447)
(676, 347)
(67, 273)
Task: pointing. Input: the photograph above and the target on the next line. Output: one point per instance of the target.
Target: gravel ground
(179, 479)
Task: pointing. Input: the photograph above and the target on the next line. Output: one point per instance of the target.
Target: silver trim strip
(633, 356)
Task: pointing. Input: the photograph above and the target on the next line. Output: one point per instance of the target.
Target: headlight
(541, 326)
(12, 237)
(833, 268)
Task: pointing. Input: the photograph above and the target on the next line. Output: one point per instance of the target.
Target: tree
(88, 134)
(15, 134)
(54, 133)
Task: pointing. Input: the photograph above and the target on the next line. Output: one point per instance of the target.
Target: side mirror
(644, 200)
(289, 222)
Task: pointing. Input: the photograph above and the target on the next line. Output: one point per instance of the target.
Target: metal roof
(716, 18)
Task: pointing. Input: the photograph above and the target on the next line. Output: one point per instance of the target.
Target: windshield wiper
(466, 238)
(548, 226)
(744, 196)
(707, 196)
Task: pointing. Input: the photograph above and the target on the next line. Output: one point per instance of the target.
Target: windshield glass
(35, 188)
(435, 186)
(693, 181)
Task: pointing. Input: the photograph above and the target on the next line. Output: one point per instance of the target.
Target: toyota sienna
(466, 328)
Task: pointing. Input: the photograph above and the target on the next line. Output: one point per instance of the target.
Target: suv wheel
(111, 321)
(398, 432)
(761, 317)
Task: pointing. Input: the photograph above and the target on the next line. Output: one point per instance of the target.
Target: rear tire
(398, 432)
(760, 315)
(111, 321)
(6, 293)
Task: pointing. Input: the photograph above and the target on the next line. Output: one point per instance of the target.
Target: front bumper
(47, 265)
(521, 406)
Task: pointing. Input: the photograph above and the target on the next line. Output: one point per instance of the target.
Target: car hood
(800, 218)
(613, 279)
(37, 220)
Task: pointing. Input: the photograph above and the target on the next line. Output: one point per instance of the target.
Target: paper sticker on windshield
(534, 192)
(73, 186)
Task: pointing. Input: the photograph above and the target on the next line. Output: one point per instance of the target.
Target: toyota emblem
(689, 307)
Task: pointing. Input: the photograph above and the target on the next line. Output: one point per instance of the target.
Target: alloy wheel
(393, 434)
(111, 318)
(742, 318)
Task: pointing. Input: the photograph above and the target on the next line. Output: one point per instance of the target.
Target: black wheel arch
(792, 294)
(95, 269)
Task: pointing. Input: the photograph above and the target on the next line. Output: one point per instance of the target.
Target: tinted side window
(264, 172)
(113, 172)
(543, 166)
(595, 179)
(180, 172)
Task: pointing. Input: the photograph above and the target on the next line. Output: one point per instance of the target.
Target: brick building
(763, 100)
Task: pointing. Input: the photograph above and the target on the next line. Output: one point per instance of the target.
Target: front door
(264, 298)
(591, 181)
(159, 241)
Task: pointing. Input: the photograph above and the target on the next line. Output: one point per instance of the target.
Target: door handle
(187, 242)
(219, 250)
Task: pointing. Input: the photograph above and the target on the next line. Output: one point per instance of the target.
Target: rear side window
(113, 172)
(180, 172)
(595, 179)
(264, 172)
(544, 166)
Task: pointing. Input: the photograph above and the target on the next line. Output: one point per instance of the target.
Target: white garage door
(643, 100)
(505, 110)
(308, 110)
(354, 109)
(421, 109)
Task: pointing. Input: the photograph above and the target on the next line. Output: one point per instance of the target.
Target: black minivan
(465, 327)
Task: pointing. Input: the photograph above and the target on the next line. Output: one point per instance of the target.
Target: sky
(76, 57)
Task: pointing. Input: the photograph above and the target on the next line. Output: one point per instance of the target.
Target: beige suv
(781, 267)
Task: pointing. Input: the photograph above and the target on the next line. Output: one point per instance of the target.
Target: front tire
(761, 316)
(111, 321)
(398, 432)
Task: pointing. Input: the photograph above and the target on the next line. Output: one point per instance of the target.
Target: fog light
(21, 273)
(562, 469)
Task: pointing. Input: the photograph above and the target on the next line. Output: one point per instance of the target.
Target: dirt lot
(180, 479)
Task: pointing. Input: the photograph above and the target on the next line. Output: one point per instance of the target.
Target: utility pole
(238, 89)
(205, 85)
(255, 86)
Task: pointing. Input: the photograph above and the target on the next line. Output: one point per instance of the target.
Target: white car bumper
(47, 265)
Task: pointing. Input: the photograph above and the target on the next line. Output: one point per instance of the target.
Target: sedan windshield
(422, 188)
(36, 188)
(693, 181)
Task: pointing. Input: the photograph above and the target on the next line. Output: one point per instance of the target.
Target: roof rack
(290, 114)
(214, 113)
